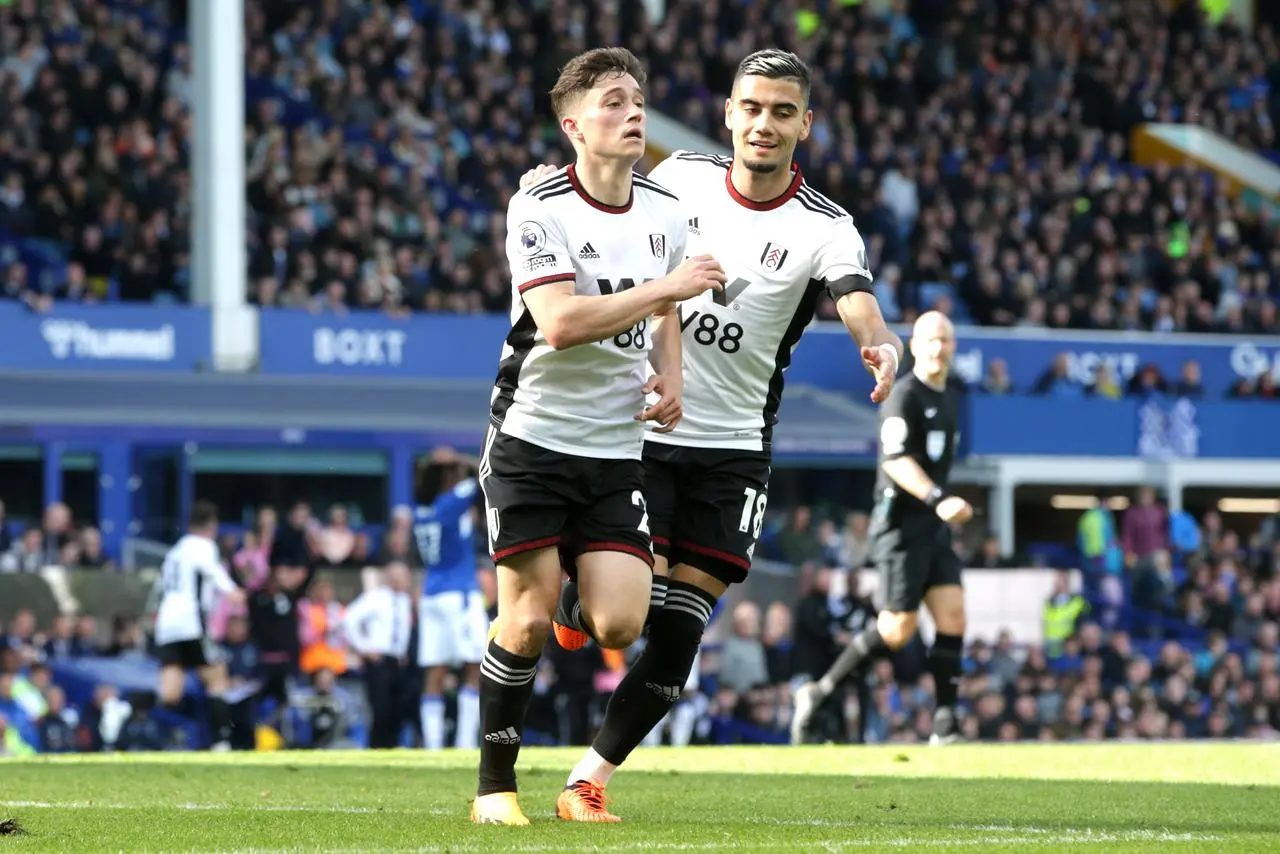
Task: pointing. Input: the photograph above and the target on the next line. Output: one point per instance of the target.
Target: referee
(378, 625)
(911, 531)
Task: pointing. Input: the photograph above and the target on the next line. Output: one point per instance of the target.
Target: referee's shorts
(913, 554)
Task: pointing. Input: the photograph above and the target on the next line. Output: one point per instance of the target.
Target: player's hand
(695, 275)
(536, 174)
(954, 510)
(669, 409)
(236, 596)
(884, 368)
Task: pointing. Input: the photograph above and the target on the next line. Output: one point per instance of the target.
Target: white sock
(654, 738)
(467, 735)
(683, 719)
(432, 711)
(592, 767)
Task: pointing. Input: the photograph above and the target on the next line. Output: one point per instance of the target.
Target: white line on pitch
(96, 805)
(833, 845)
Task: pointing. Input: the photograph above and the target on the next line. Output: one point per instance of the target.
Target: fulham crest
(772, 257)
(658, 243)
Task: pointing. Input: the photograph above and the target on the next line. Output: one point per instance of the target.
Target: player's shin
(654, 684)
(219, 721)
(506, 685)
(569, 610)
(865, 644)
(944, 665)
(431, 711)
(468, 732)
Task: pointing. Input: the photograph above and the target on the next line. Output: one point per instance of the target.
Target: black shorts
(536, 498)
(914, 555)
(706, 506)
(188, 654)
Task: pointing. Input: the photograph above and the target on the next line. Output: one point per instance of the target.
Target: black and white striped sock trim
(688, 599)
(504, 674)
(658, 594)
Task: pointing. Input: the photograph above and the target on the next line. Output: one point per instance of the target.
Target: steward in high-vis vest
(320, 630)
(1061, 613)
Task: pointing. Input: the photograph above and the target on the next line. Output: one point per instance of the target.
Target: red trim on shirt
(797, 180)
(598, 205)
(547, 280)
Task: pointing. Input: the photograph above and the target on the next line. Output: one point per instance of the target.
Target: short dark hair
(433, 478)
(202, 515)
(775, 64)
(585, 70)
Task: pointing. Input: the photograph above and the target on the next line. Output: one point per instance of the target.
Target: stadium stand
(1189, 649)
(983, 148)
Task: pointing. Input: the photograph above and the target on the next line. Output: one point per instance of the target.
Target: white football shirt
(191, 576)
(379, 621)
(582, 400)
(778, 256)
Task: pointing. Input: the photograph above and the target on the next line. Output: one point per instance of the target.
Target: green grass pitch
(1101, 797)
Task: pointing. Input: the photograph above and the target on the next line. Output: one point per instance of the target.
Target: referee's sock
(944, 665)
(864, 645)
(506, 684)
(653, 685)
(219, 719)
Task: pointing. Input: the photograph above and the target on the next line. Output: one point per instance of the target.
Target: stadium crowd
(1058, 380)
(983, 146)
(1191, 650)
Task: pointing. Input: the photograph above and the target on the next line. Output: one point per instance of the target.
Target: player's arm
(355, 622)
(457, 501)
(568, 319)
(666, 357)
(667, 353)
(842, 267)
(901, 434)
(212, 569)
(543, 271)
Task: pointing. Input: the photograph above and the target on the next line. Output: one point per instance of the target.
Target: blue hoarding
(449, 347)
(1159, 428)
(373, 344)
(105, 338)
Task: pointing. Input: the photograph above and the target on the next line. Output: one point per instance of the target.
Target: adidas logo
(588, 253)
(670, 693)
(693, 226)
(506, 736)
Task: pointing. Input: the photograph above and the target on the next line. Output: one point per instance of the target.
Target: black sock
(656, 681)
(657, 598)
(865, 644)
(944, 664)
(506, 684)
(219, 720)
(569, 611)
